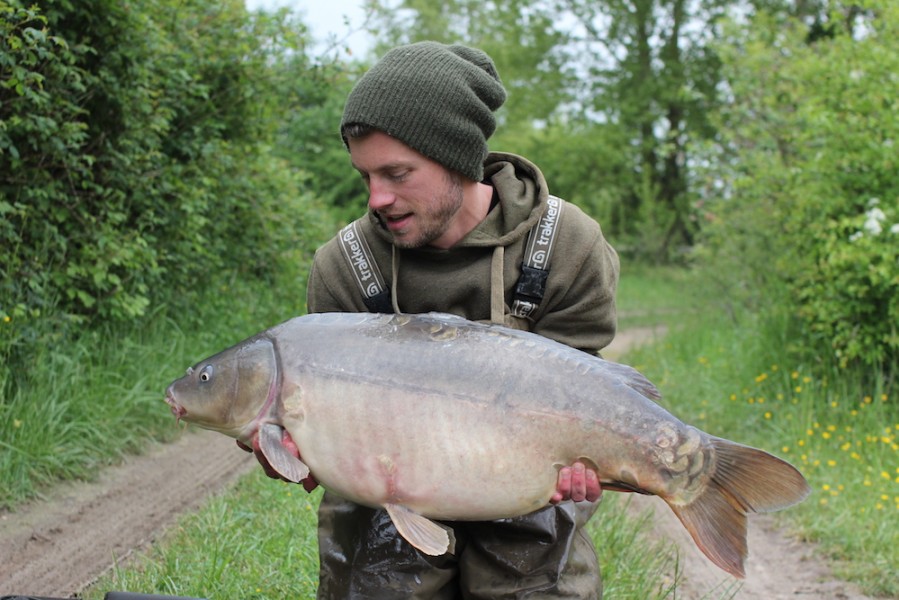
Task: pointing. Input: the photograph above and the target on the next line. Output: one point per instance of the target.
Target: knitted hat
(436, 99)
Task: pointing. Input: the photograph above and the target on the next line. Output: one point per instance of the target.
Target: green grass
(258, 541)
(649, 296)
(85, 400)
(741, 379)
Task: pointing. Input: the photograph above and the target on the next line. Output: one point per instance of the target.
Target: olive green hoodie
(578, 308)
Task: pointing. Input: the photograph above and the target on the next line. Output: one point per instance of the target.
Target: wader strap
(531, 284)
(365, 270)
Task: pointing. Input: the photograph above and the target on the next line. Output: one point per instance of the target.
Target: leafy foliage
(813, 197)
(136, 157)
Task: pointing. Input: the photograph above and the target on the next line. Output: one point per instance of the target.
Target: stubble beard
(438, 217)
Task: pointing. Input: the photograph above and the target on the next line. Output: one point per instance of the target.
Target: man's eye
(397, 177)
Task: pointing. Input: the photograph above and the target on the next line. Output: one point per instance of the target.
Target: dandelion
(785, 449)
(16, 423)
(795, 374)
(761, 378)
(7, 318)
(768, 415)
(831, 463)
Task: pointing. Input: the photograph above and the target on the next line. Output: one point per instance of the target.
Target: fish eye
(206, 373)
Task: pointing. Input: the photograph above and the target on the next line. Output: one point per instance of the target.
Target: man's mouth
(396, 222)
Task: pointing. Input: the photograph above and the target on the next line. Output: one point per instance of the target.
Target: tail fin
(745, 480)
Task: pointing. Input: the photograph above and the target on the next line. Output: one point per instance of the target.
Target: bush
(137, 162)
(810, 212)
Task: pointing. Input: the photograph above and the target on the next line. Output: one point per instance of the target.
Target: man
(447, 229)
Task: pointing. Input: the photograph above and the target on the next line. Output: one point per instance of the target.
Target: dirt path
(57, 546)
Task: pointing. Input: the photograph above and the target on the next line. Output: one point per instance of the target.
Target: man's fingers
(563, 486)
(593, 489)
(578, 481)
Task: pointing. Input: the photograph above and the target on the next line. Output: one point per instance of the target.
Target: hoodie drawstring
(394, 276)
(497, 293)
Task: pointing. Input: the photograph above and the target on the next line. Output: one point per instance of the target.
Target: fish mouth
(177, 410)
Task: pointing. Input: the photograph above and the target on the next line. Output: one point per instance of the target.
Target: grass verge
(740, 378)
(258, 542)
(89, 398)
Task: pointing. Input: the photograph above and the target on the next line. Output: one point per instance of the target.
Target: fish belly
(443, 458)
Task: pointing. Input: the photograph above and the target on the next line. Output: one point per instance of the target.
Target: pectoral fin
(286, 464)
(423, 533)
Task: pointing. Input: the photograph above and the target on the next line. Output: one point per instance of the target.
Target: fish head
(228, 391)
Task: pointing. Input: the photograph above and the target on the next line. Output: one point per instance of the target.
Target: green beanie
(436, 99)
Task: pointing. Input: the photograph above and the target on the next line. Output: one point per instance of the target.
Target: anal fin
(423, 533)
(286, 464)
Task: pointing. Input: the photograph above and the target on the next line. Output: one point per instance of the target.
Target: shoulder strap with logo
(358, 255)
(531, 284)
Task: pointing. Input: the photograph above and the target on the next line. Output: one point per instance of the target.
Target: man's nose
(379, 195)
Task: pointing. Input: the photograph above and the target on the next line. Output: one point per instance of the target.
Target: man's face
(416, 198)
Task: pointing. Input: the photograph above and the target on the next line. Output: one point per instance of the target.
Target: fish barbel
(417, 413)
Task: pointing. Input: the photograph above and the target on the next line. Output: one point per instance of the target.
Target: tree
(653, 74)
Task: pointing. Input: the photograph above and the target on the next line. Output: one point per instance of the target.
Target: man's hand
(287, 442)
(577, 483)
